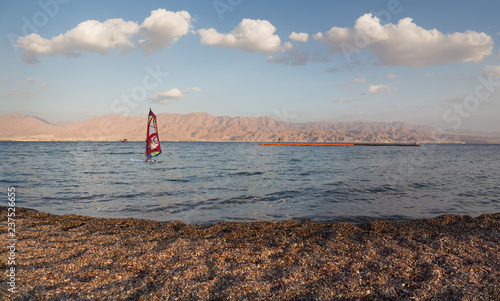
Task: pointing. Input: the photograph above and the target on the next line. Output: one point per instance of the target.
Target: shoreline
(78, 257)
(358, 143)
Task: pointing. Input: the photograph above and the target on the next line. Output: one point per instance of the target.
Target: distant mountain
(205, 127)
(19, 126)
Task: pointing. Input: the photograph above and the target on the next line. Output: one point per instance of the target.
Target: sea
(205, 182)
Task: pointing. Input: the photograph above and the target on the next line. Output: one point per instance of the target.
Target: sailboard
(153, 161)
(153, 148)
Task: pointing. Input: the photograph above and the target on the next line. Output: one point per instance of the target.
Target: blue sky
(425, 62)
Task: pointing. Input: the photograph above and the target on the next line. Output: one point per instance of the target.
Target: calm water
(209, 182)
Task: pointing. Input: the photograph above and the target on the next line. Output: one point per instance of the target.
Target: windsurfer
(146, 152)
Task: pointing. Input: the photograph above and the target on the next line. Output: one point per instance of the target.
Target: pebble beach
(72, 257)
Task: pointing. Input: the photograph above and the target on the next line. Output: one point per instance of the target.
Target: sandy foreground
(81, 258)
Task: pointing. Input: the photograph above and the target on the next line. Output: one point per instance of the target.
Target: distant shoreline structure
(262, 143)
(339, 144)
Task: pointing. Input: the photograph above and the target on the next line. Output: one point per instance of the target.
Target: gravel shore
(81, 258)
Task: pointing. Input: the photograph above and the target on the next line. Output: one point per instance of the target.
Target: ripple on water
(207, 182)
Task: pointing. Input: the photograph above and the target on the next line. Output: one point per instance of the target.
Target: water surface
(209, 182)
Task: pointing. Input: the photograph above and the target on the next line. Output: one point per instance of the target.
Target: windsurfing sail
(153, 148)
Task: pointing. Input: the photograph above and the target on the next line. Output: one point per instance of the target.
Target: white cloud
(170, 94)
(192, 89)
(43, 85)
(29, 79)
(300, 37)
(164, 97)
(250, 35)
(360, 79)
(89, 36)
(287, 46)
(392, 76)
(429, 74)
(160, 30)
(491, 71)
(336, 37)
(406, 43)
(376, 89)
(163, 28)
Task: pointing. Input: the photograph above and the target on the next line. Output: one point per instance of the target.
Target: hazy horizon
(408, 61)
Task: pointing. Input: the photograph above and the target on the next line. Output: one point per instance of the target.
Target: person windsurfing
(153, 148)
(146, 153)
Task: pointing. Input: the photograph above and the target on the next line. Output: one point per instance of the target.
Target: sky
(424, 62)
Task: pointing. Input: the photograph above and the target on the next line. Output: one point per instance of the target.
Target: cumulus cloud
(336, 37)
(165, 96)
(88, 36)
(163, 28)
(377, 89)
(250, 35)
(287, 46)
(160, 30)
(360, 79)
(299, 37)
(43, 85)
(491, 71)
(170, 94)
(406, 43)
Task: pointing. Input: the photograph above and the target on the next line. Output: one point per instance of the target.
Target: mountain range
(206, 127)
